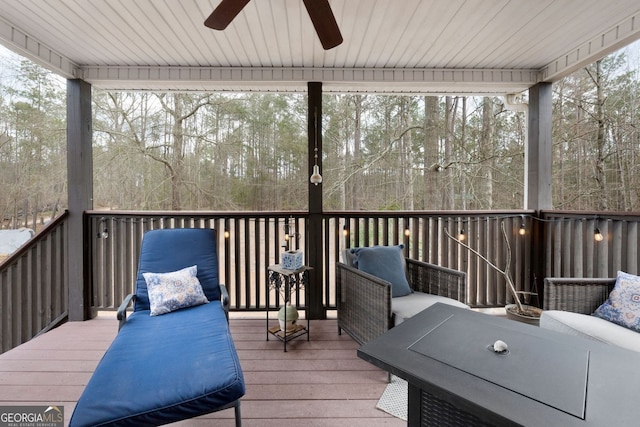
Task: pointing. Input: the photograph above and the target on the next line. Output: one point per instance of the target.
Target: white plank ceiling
(391, 46)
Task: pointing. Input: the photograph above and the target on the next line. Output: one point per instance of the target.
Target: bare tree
(431, 164)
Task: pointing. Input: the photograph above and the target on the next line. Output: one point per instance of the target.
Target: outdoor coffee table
(544, 379)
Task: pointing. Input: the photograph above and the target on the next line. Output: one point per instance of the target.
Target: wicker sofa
(569, 303)
(366, 309)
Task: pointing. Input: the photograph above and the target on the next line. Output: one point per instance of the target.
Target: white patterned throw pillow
(175, 290)
(623, 305)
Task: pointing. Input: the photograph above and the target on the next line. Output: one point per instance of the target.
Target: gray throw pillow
(387, 263)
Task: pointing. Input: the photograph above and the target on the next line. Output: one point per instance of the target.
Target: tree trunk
(448, 196)
(601, 178)
(487, 153)
(462, 186)
(562, 148)
(431, 165)
(356, 179)
(177, 157)
(406, 164)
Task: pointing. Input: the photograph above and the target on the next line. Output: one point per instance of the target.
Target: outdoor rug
(394, 399)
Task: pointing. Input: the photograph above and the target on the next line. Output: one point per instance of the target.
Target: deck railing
(33, 281)
(33, 286)
(571, 249)
(249, 242)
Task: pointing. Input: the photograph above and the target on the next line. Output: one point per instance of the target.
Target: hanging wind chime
(315, 178)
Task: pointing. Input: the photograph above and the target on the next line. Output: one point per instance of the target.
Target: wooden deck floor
(317, 383)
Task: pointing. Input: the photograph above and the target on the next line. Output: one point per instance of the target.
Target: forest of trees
(248, 151)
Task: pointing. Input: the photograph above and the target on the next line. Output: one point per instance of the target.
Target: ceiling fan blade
(324, 22)
(222, 15)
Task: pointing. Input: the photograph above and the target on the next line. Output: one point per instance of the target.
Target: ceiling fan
(319, 11)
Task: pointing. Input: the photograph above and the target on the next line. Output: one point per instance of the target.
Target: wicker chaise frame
(578, 295)
(364, 301)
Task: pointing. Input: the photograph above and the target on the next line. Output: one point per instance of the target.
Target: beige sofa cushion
(408, 306)
(591, 327)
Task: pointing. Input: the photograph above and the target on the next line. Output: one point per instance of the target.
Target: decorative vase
(291, 313)
(291, 260)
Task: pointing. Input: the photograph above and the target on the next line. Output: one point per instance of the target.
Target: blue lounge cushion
(175, 290)
(623, 305)
(169, 250)
(162, 369)
(386, 263)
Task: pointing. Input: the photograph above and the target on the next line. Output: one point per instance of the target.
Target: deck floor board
(320, 382)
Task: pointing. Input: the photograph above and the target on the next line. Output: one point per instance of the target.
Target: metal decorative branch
(521, 309)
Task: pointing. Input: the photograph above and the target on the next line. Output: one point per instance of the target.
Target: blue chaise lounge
(173, 357)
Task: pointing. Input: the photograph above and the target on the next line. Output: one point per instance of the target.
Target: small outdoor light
(227, 231)
(461, 235)
(523, 230)
(104, 234)
(597, 235)
(407, 231)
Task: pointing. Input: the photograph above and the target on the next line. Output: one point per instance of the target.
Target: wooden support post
(538, 155)
(315, 306)
(538, 159)
(80, 194)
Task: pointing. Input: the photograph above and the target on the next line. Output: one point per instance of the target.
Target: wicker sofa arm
(363, 303)
(578, 295)
(436, 280)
